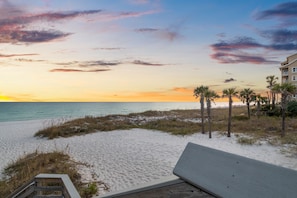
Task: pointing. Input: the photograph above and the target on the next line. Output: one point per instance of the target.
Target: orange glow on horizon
(173, 95)
(137, 97)
(5, 98)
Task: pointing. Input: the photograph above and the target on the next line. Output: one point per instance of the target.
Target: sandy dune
(126, 158)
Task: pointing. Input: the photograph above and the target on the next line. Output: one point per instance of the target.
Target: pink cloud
(78, 70)
(15, 24)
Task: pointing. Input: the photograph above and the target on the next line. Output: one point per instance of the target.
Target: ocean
(21, 111)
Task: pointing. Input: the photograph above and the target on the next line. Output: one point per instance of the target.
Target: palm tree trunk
(230, 114)
(209, 117)
(273, 100)
(248, 109)
(258, 108)
(202, 114)
(283, 132)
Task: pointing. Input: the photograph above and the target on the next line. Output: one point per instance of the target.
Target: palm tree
(271, 80)
(258, 101)
(230, 93)
(247, 96)
(286, 90)
(199, 92)
(210, 95)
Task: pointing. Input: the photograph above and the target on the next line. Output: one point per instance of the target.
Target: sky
(140, 50)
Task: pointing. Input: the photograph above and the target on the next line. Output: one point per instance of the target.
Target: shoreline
(71, 110)
(125, 158)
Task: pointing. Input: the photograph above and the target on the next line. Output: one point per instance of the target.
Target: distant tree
(199, 92)
(272, 80)
(210, 96)
(230, 93)
(247, 96)
(286, 90)
(258, 99)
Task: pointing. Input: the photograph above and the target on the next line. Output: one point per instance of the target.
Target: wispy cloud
(78, 70)
(28, 60)
(147, 30)
(280, 36)
(281, 39)
(25, 27)
(240, 50)
(283, 10)
(17, 25)
(238, 43)
(183, 90)
(170, 34)
(96, 66)
(231, 51)
(229, 80)
(33, 36)
(234, 51)
(110, 16)
(98, 63)
(13, 55)
(108, 48)
(139, 62)
(164, 34)
(85, 66)
(224, 57)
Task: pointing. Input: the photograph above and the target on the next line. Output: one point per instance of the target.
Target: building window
(294, 69)
(294, 78)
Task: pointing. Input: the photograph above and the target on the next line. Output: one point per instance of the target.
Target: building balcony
(285, 73)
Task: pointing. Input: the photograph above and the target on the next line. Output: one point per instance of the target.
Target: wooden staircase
(47, 185)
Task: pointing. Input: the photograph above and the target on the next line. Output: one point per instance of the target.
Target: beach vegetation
(271, 81)
(85, 125)
(292, 108)
(247, 96)
(246, 140)
(173, 126)
(286, 90)
(177, 122)
(28, 166)
(210, 96)
(90, 190)
(184, 122)
(231, 92)
(200, 92)
(259, 102)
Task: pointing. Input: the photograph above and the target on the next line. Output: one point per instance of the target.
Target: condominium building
(289, 70)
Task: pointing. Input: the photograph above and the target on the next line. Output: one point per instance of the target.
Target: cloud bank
(18, 27)
(97, 66)
(245, 49)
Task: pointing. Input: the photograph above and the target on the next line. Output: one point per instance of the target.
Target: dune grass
(179, 122)
(25, 168)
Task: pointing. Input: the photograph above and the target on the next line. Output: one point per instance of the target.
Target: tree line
(247, 96)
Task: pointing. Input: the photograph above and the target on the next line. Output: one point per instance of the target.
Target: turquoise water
(19, 111)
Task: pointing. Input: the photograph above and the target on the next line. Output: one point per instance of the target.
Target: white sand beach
(127, 158)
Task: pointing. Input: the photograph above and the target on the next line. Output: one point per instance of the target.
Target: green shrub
(246, 141)
(274, 112)
(90, 190)
(240, 118)
(292, 108)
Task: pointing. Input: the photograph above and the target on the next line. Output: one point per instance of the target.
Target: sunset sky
(140, 50)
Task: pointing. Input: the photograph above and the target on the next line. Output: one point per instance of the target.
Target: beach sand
(127, 158)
